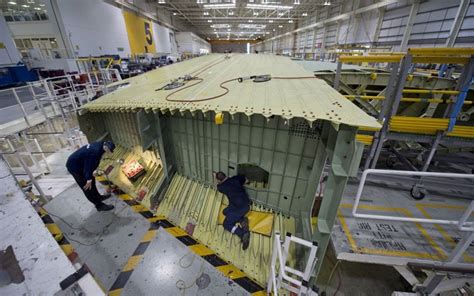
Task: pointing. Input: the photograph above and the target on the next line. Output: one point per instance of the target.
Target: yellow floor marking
(440, 229)
(149, 235)
(115, 292)
(139, 208)
(260, 293)
(231, 271)
(53, 228)
(67, 249)
(201, 250)
(347, 232)
(176, 231)
(125, 196)
(157, 218)
(132, 263)
(388, 252)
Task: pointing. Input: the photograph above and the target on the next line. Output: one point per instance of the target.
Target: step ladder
(288, 278)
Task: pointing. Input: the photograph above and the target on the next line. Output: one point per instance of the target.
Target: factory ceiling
(243, 19)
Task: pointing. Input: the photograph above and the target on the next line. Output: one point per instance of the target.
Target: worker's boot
(244, 223)
(245, 238)
(104, 207)
(105, 196)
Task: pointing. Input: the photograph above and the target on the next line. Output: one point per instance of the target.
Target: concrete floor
(103, 240)
(172, 269)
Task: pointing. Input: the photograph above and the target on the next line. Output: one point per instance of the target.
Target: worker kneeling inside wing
(82, 164)
(239, 205)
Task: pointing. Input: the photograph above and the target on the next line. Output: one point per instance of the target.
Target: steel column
(456, 27)
(411, 21)
(344, 155)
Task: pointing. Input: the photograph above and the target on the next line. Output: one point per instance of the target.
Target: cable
(331, 274)
(181, 284)
(6, 176)
(100, 234)
(226, 90)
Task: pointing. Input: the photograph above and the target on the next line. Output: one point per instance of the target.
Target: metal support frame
(456, 27)
(25, 115)
(344, 154)
(409, 26)
(378, 27)
(393, 96)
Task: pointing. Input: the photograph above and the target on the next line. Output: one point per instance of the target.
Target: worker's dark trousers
(234, 215)
(92, 194)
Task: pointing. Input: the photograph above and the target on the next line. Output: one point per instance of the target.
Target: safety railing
(56, 96)
(462, 224)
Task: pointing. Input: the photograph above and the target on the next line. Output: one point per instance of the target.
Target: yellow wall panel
(140, 33)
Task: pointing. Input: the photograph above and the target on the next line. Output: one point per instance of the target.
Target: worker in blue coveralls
(82, 164)
(239, 205)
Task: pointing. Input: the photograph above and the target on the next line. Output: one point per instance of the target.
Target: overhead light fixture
(42, 5)
(290, 21)
(11, 2)
(219, 6)
(297, 2)
(270, 21)
(281, 14)
(280, 26)
(205, 13)
(209, 21)
(255, 13)
(327, 3)
(252, 26)
(161, 2)
(304, 14)
(221, 26)
(274, 30)
(37, 8)
(174, 13)
(269, 6)
(231, 13)
(250, 21)
(26, 6)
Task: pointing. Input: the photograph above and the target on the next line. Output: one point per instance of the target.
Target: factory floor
(105, 241)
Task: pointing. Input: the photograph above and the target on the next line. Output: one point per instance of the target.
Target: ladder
(288, 278)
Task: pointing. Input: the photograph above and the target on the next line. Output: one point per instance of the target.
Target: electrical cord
(221, 85)
(181, 284)
(226, 90)
(100, 234)
(331, 274)
(6, 176)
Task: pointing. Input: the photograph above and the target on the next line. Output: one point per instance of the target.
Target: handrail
(371, 59)
(442, 51)
(462, 223)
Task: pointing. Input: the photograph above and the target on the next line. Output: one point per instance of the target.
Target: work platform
(398, 243)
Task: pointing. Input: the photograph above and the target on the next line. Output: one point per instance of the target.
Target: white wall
(163, 44)
(94, 27)
(189, 42)
(68, 65)
(9, 54)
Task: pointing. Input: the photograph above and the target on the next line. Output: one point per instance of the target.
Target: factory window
(24, 11)
(257, 177)
(40, 48)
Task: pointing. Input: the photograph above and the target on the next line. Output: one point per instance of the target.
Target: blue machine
(14, 75)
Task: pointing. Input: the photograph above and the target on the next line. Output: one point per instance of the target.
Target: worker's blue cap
(110, 145)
